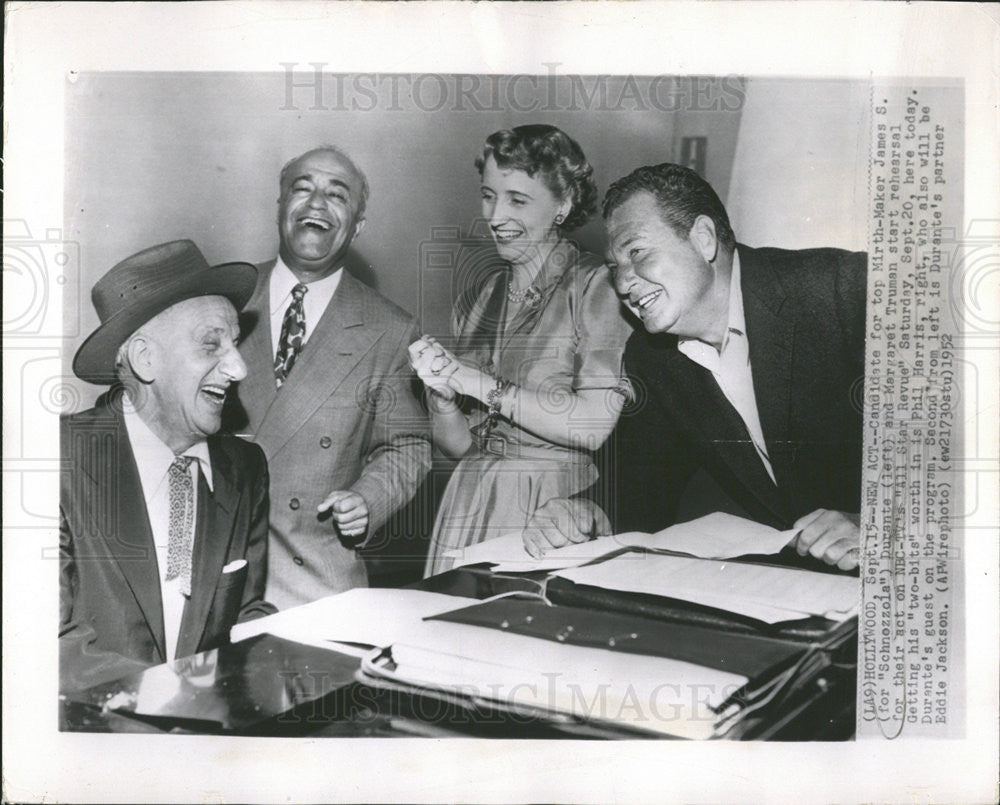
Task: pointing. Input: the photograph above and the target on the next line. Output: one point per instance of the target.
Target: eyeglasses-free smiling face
(190, 361)
(663, 278)
(318, 213)
(521, 211)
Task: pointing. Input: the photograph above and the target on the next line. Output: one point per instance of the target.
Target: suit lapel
(771, 338)
(213, 532)
(334, 348)
(691, 391)
(258, 390)
(126, 533)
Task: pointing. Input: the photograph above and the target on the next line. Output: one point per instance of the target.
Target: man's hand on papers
(561, 521)
(830, 536)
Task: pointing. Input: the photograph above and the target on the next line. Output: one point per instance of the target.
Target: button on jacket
(345, 418)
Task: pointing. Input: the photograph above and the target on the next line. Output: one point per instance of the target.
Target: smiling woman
(536, 384)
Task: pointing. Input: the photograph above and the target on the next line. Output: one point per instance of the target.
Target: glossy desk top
(226, 689)
(270, 686)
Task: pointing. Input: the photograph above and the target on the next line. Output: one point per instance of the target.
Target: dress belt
(495, 445)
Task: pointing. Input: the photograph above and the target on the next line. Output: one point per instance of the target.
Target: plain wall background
(800, 171)
(152, 157)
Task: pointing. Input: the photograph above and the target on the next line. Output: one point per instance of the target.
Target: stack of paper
(647, 693)
(369, 617)
(767, 593)
(652, 694)
(715, 536)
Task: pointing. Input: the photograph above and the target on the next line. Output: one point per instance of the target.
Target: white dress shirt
(153, 458)
(730, 366)
(313, 303)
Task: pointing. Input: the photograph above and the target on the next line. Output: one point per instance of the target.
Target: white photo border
(46, 44)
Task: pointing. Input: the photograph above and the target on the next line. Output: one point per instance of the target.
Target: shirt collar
(152, 457)
(737, 321)
(283, 280)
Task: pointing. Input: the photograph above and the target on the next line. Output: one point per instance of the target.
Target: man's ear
(702, 237)
(358, 227)
(141, 357)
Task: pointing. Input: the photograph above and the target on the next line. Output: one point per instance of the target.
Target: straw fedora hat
(145, 284)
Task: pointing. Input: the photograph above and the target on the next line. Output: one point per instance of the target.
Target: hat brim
(95, 359)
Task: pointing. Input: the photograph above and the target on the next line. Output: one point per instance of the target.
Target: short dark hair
(555, 156)
(681, 194)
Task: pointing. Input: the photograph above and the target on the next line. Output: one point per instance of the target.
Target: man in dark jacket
(750, 369)
(163, 522)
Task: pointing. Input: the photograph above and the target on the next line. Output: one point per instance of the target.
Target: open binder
(718, 571)
(738, 639)
(479, 581)
(605, 672)
(642, 644)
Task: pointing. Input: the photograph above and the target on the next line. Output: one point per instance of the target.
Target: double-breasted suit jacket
(805, 319)
(345, 418)
(111, 609)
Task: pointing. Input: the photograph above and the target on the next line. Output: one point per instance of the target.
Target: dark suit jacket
(805, 318)
(111, 611)
(346, 418)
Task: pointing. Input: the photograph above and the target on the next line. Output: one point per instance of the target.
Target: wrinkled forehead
(638, 215)
(212, 312)
(323, 166)
(620, 228)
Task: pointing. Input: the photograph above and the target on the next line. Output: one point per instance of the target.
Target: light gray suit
(345, 418)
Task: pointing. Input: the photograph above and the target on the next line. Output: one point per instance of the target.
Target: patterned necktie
(293, 330)
(180, 534)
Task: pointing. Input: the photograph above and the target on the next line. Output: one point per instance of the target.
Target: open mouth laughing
(505, 234)
(646, 300)
(215, 394)
(318, 224)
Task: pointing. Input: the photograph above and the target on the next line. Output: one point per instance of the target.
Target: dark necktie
(180, 533)
(293, 330)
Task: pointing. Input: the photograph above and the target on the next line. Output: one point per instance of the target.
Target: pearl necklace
(530, 295)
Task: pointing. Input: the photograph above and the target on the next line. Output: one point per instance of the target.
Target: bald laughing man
(328, 396)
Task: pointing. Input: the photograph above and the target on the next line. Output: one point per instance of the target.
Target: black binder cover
(805, 630)
(478, 581)
(753, 656)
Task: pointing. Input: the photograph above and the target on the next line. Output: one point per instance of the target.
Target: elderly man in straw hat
(163, 521)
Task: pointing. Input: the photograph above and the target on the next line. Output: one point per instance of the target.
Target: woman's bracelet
(494, 397)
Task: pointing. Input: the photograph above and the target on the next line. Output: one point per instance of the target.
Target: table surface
(268, 686)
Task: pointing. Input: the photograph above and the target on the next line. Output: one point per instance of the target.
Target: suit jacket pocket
(225, 608)
(227, 580)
